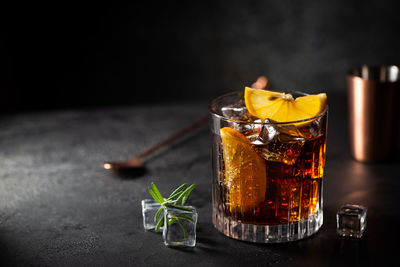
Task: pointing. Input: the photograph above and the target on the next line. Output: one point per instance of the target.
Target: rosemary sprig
(176, 200)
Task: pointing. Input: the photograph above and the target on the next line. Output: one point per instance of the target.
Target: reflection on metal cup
(372, 95)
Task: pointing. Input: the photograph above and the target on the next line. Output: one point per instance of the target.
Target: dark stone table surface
(58, 207)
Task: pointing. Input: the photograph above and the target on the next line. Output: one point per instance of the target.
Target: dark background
(65, 55)
(59, 207)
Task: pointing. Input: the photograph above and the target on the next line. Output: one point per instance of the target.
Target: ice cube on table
(149, 209)
(351, 220)
(181, 227)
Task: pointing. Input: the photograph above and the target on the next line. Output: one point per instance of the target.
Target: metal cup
(373, 121)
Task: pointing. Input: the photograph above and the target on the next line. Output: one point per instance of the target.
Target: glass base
(268, 233)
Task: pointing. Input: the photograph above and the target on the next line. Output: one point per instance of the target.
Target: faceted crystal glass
(267, 177)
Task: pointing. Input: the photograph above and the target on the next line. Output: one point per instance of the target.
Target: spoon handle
(174, 137)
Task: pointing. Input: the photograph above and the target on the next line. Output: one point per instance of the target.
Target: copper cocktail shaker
(373, 92)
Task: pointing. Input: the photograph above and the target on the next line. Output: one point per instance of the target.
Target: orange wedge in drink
(245, 172)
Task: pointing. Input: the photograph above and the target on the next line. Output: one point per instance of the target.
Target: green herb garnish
(176, 200)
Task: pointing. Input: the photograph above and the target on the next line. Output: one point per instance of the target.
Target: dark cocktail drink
(267, 184)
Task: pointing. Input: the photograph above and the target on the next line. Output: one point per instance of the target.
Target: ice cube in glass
(279, 143)
(351, 220)
(149, 209)
(268, 132)
(236, 111)
(181, 227)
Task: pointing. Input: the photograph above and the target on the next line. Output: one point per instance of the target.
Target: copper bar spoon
(137, 161)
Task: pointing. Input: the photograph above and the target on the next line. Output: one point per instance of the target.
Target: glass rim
(221, 117)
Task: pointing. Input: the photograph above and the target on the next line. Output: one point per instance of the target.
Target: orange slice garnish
(281, 107)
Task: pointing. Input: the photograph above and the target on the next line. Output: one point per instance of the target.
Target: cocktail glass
(267, 176)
